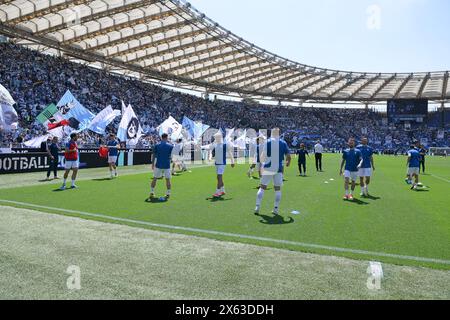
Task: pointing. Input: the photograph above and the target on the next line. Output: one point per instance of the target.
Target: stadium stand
(36, 80)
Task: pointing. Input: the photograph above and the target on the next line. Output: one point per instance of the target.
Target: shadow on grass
(102, 179)
(257, 188)
(218, 199)
(370, 197)
(276, 219)
(155, 200)
(357, 201)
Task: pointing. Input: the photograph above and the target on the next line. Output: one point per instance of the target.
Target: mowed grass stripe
(396, 221)
(231, 235)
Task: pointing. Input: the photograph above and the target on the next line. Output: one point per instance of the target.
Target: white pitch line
(440, 178)
(233, 235)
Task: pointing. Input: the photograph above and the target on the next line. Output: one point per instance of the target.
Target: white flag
(9, 119)
(5, 96)
(229, 135)
(36, 142)
(103, 119)
(130, 129)
(172, 127)
(241, 141)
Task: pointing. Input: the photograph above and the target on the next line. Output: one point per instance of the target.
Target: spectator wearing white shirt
(318, 150)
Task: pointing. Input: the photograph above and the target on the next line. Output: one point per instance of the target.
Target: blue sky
(402, 35)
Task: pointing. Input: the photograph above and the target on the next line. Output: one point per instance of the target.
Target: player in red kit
(72, 163)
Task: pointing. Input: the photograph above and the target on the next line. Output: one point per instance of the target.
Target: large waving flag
(9, 119)
(36, 142)
(172, 127)
(188, 125)
(70, 108)
(130, 129)
(241, 141)
(5, 96)
(8, 116)
(103, 119)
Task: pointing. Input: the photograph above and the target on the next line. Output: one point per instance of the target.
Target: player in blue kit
(113, 152)
(272, 156)
(365, 172)
(352, 159)
(413, 164)
(162, 155)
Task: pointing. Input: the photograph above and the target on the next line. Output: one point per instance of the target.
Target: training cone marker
(331, 179)
(295, 212)
(326, 182)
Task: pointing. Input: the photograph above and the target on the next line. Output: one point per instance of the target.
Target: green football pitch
(395, 225)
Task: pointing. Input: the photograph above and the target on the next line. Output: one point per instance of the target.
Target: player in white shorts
(255, 153)
(162, 154)
(273, 154)
(365, 172)
(113, 153)
(221, 151)
(352, 159)
(177, 158)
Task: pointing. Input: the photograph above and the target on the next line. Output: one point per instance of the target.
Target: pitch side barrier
(22, 160)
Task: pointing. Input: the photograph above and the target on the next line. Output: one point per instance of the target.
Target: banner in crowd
(172, 127)
(5, 96)
(130, 129)
(241, 141)
(36, 142)
(69, 107)
(47, 114)
(103, 119)
(195, 129)
(9, 119)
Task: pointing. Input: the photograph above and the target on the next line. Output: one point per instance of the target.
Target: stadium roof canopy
(170, 42)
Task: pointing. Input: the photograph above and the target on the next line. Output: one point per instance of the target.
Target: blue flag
(70, 108)
(188, 125)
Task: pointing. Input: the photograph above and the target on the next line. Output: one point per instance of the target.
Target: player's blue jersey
(275, 151)
(163, 155)
(220, 154)
(366, 153)
(352, 158)
(414, 162)
(112, 148)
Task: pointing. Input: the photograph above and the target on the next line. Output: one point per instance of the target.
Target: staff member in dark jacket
(423, 153)
(302, 153)
(53, 152)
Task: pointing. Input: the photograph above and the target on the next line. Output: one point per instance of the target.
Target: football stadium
(148, 152)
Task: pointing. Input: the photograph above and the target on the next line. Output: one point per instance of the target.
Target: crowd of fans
(35, 80)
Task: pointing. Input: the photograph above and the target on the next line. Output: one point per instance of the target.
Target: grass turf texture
(395, 220)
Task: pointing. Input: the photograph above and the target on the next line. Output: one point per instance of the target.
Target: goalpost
(434, 151)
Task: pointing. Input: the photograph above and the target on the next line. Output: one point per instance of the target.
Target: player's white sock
(346, 192)
(217, 191)
(277, 199)
(168, 192)
(152, 190)
(64, 182)
(73, 183)
(222, 189)
(259, 197)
